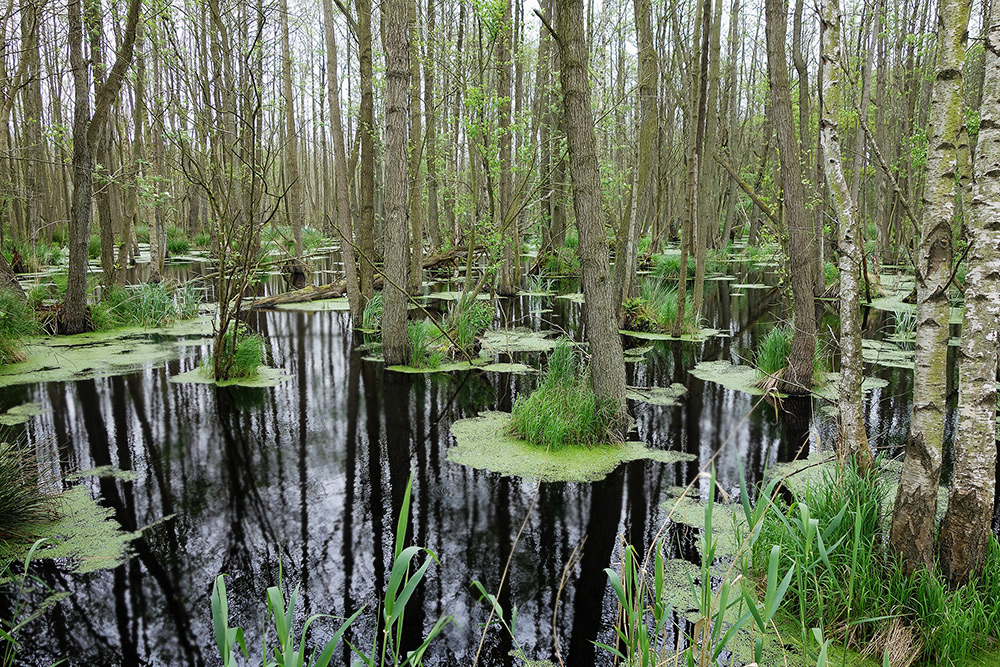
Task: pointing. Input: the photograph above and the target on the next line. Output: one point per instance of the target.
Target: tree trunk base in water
(339, 288)
(66, 326)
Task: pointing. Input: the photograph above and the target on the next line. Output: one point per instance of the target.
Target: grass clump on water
(24, 506)
(469, 320)
(147, 305)
(771, 357)
(424, 349)
(563, 410)
(656, 308)
(17, 322)
(849, 582)
(247, 350)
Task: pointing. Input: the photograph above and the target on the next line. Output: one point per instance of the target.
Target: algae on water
(664, 396)
(86, 533)
(20, 414)
(516, 340)
(265, 377)
(730, 376)
(482, 443)
(100, 354)
(323, 305)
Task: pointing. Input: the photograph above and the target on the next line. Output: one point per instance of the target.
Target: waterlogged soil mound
(482, 443)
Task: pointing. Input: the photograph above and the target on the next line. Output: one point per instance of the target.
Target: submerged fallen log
(454, 256)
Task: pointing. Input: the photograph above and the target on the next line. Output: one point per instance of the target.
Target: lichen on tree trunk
(965, 530)
(853, 439)
(916, 500)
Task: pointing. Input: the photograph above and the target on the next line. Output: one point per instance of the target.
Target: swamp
(499, 333)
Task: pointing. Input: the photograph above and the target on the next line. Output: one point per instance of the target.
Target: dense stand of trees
(420, 125)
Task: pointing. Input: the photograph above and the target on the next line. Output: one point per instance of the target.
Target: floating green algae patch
(482, 443)
(884, 353)
(86, 533)
(750, 286)
(440, 368)
(576, 297)
(664, 396)
(730, 376)
(265, 377)
(830, 388)
(508, 368)
(103, 471)
(99, 354)
(699, 336)
(635, 354)
(535, 293)
(321, 306)
(21, 414)
(516, 340)
(454, 296)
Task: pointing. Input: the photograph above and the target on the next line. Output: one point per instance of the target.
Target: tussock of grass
(24, 506)
(563, 410)
(146, 305)
(424, 349)
(862, 597)
(771, 357)
(247, 351)
(17, 322)
(562, 261)
(371, 316)
(469, 319)
(656, 307)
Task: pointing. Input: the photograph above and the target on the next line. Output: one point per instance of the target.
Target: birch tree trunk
(607, 361)
(853, 439)
(965, 530)
(916, 500)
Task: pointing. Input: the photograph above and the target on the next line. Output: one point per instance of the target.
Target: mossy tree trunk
(916, 500)
(396, 46)
(965, 530)
(853, 439)
(607, 360)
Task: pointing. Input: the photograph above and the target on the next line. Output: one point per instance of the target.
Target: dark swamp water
(309, 476)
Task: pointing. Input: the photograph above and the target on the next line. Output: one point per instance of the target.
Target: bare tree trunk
(625, 253)
(607, 361)
(430, 133)
(294, 195)
(699, 108)
(396, 46)
(416, 200)
(965, 530)
(343, 202)
(509, 280)
(366, 129)
(916, 500)
(853, 438)
(74, 317)
(798, 376)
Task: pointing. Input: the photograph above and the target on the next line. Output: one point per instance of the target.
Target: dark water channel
(310, 475)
